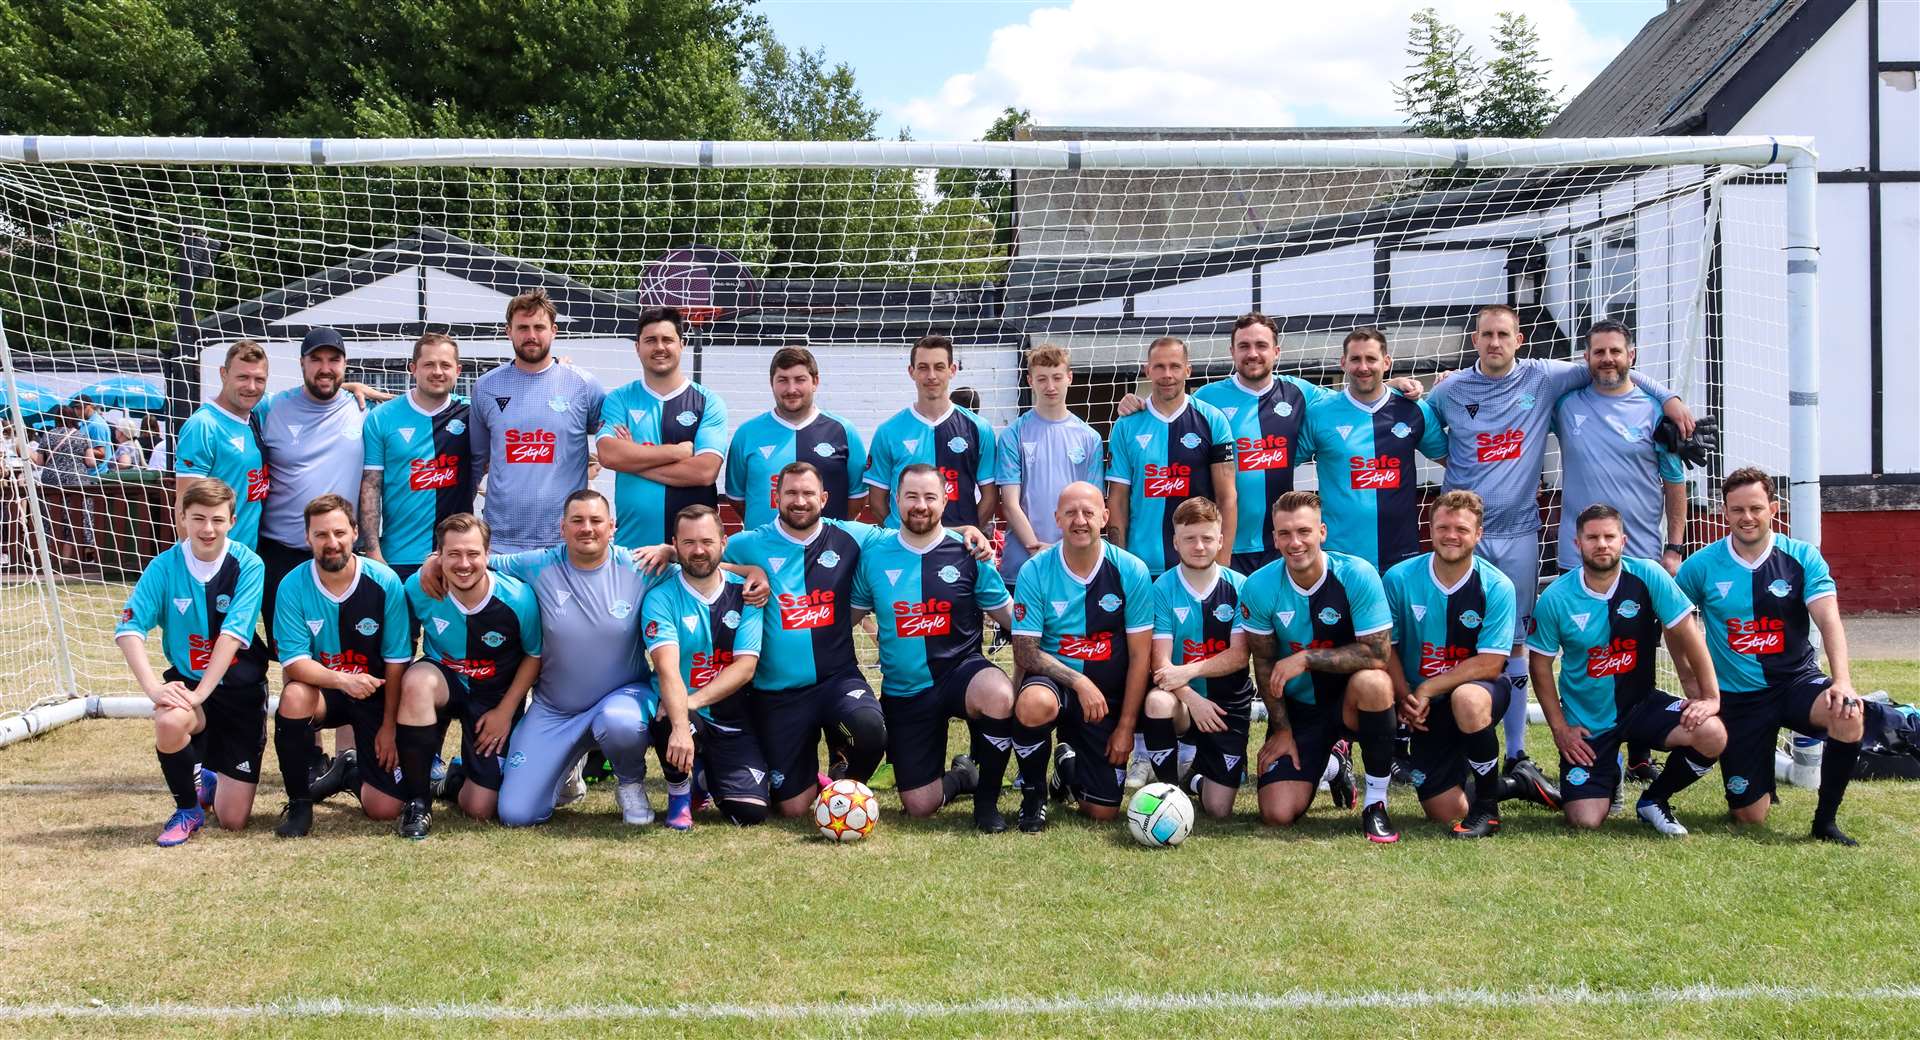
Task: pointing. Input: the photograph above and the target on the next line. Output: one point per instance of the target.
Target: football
(846, 811)
(1160, 816)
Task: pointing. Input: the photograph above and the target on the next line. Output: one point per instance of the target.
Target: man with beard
(663, 435)
(1605, 621)
(795, 431)
(222, 440)
(341, 624)
(479, 659)
(418, 470)
(1175, 449)
(529, 426)
(704, 639)
(926, 591)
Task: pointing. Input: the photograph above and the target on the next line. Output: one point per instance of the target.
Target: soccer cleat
(1064, 785)
(1827, 830)
(1033, 814)
(631, 797)
(209, 785)
(679, 811)
(1658, 816)
(1376, 826)
(340, 774)
(1139, 772)
(296, 820)
(180, 826)
(449, 789)
(987, 818)
(1340, 788)
(1643, 772)
(573, 785)
(416, 819)
(1530, 784)
(1478, 824)
(437, 777)
(969, 773)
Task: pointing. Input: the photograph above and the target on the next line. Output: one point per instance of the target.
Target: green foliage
(1447, 94)
(1516, 101)
(992, 189)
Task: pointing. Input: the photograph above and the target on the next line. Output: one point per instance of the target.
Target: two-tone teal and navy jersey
(1758, 627)
(644, 509)
(926, 606)
(1608, 642)
(766, 444)
(1198, 624)
(960, 445)
(1347, 602)
(1165, 460)
(1266, 426)
(484, 645)
(216, 443)
(426, 471)
(1367, 456)
(709, 633)
(1436, 628)
(808, 632)
(357, 632)
(194, 604)
(1084, 621)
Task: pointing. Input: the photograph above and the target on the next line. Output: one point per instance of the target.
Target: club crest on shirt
(1470, 618)
(1780, 588)
(823, 450)
(456, 426)
(957, 444)
(222, 602)
(620, 608)
(1629, 609)
(1190, 441)
(1222, 612)
(1076, 454)
(1283, 409)
(1109, 603)
(559, 404)
(949, 574)
(1526, 401)
(686, 418)
(493, 639)
(1400, 429)
(829, 559)
(1328, 616)
(731, 619)
(366, 626)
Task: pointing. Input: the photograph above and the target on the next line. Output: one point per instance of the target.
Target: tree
(993, 189)
(1443, 83)
(1516, 101)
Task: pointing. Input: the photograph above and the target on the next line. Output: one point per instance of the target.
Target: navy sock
(293, 743)
(1032, 747)
(1162, 749)
(416, 745)
(1483, 759)
(992, 745)
(1684, 766)
(1836, 771)
(180, 769)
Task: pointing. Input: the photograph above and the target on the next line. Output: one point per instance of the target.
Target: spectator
(70, 477)
(127, 452)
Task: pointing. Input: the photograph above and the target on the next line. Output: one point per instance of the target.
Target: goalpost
(135, 261)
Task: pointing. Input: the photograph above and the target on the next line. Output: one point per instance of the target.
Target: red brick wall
(1875, 558)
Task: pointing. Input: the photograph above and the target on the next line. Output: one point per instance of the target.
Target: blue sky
(944, 67)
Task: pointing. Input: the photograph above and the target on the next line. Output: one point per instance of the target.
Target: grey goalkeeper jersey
(1497, 434)
(1607, 454)
(529, 437)
(589, 623)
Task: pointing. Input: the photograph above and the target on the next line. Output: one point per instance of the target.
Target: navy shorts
(1438, 757)
(1222, 757)
(1753, 722)
(788, 724)
(917, 725)
(366, 717)
(1647, 724)
(1316, 728)
(1101, 782)
(235, 735)
(467, 707)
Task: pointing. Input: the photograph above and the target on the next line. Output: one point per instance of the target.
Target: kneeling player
(480, 658)
(927, 591)
(1200, 685)
(704, 640)
(340, 622)
(1453, 629)
(1761, 594)
(1328, 612)
(210, 709)
(1607, 618)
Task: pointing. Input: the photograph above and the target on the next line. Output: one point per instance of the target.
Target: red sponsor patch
(1192, 650)
(1175, 481)
(530, 446)
(773, 491)
(1616, 658)
(1759, 636)
(811, 610)
(1380, 473)
(1269, 452)
(472, 668)
(352, 661)
(441, 471)
(259, 482)
(706, 666)
(1442, 658)
(1500, 447)
(920, 620)
(199, 652)
(1095, 647)
(950, 479)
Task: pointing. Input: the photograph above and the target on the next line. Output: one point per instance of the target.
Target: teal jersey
(1608, 642)
(960, 445)
(926, 606)
(1199, 624)
(1085, 621)
(1163, 461)
(709, 633)
(1367, 459)
(1266, 428)
(644, 509)
(1758, 627)
(1345, 604)
(485, 645)
(194, 604)
(216, 443)
(766, 443)
(426, 472)
(808, 631)
(1436, 628)
(355, 633)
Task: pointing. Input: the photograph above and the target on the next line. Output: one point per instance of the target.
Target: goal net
(131, 265)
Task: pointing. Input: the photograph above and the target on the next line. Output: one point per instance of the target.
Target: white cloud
(1221, 63)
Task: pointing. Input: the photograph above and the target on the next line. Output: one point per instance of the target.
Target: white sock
(1376, 789)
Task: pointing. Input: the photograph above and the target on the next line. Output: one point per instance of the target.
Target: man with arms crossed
(795, 431)
(663, 435)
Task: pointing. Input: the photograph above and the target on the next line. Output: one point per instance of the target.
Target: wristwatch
(1674, 547)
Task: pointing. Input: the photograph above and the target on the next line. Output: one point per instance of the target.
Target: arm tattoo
(370, 488)
(1263, 647)
(1034, 661)
(1367, 652)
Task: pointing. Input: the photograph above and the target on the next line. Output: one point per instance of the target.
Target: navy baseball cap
(322, 337)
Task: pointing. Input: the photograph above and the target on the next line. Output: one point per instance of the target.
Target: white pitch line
(1111, 1003)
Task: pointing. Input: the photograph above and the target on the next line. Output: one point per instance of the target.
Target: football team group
(1151, 582)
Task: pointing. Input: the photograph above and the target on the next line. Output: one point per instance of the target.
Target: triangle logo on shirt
(912, 445)
(439, 624)
(1059, 607)
(1143, 439)
(766, 451)
(181, 605)
(1181, 613)
(1031, 447)
(1231, 412)
(561, 596)
(1285, 616)
(239, 443)
(692, 621)
(1419, 612)
(1724, 587)
(893, 577)
(295, 428)
(503, 402)
(1345, 431)
(315, 626)
(1580, 620)
(1579, 420)
(776, 562)
(1473, 411)
(406, 434)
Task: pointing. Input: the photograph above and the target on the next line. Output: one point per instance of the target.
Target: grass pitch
(585, 927)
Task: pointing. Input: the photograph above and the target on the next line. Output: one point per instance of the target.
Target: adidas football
(846, 811)
(1160, 815)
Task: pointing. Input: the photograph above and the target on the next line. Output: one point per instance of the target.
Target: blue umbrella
(128, 393)
(34, 400)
